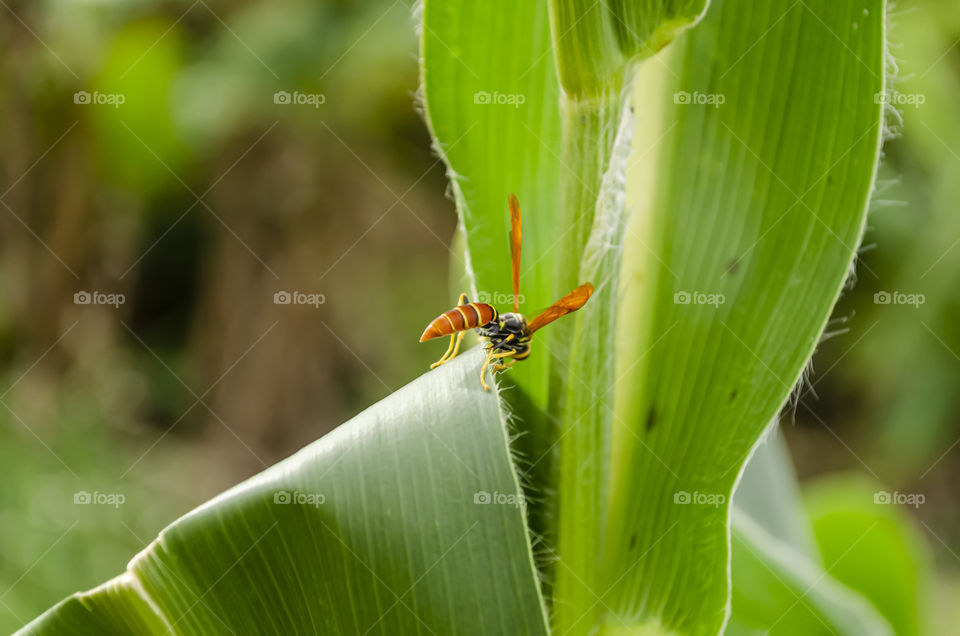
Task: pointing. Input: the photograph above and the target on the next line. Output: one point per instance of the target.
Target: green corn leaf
(753, 146)
(564, 152)
(596, 41)
(405, 520)
(871, 545)
(759, 133)
(768, 493)
(490, 99)
(780, 591)
(780, 584)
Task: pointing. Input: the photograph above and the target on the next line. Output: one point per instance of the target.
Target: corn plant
(708, 168)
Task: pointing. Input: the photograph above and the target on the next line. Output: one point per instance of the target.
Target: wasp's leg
(454, 348)
(446, 356)
(493, 357)
(501, 367)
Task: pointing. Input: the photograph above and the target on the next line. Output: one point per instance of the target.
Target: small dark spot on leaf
(733, 395)
(829, 179)
(733, 265)
(633, 540)
(651, 419)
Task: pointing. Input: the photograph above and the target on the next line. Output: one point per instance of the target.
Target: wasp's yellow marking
(479, 315)
(450, 321)
(455, 338)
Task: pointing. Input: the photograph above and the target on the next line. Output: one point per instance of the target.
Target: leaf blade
(760, 200)
(385, 550)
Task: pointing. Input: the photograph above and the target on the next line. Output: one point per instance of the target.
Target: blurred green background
(263, 148)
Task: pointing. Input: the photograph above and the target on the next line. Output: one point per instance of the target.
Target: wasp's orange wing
(515, 238)
(571, 302)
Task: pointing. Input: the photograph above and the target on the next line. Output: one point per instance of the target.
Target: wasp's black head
(512, 323)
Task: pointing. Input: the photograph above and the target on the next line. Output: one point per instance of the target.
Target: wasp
(507, 336)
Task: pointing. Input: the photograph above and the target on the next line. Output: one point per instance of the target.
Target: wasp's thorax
(508, 333)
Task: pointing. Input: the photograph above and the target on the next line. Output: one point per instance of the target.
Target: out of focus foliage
(198, 198)
(882, 397)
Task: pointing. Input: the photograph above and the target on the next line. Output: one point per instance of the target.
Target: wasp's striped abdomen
(460, 318)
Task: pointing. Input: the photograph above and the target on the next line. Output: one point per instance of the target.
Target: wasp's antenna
(515, 240)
